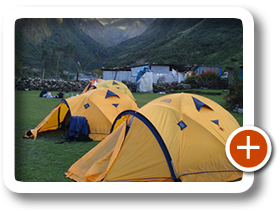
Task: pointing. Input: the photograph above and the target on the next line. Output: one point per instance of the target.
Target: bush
(209, 75)
(235, 96)
(194, 81)
(208, 79)
(130, 85)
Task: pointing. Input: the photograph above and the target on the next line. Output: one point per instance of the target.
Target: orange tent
(92, 83)
(100, 108)
(177, 137)
(115, 85)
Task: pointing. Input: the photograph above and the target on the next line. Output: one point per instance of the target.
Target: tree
(110, 64)
(235, 95)
(174, 61)
(91, 59)
(70, 52)
(44, 58)
(79, 64)
(58, 51)
(122, 64)
(18, 67)
(97, 72)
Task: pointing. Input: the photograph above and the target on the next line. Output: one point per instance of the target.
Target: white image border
(120, 12)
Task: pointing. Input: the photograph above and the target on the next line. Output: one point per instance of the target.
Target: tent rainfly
(177, 137)
(100, 108)
(114, 84)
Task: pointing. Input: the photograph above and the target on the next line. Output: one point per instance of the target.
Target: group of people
(45, 94)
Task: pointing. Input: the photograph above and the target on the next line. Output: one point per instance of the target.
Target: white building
(161, 72)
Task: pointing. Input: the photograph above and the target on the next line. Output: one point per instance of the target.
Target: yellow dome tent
(114, 84)
(177, 137)
(100, 107)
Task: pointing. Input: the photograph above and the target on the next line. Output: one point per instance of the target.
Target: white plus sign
(248, 147)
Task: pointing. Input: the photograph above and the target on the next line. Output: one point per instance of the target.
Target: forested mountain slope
(192, 41)
(34, 35)
(164, 41)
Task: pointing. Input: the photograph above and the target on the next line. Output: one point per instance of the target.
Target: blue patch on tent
(118, 87)
(166, 100)
(116, 105)
(86, 106)
(215, 121)
(182, 125)
(110, 93)
(114, 83)
(199, 104)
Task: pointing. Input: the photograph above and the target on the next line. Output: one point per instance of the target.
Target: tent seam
(204, 172)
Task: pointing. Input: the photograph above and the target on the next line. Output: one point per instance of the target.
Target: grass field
(47, 159)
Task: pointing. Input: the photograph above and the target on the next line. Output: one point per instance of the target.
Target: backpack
(59, 95)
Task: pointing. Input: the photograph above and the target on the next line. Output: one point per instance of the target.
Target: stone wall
(50, 84)
(64, 86)
(166, 87)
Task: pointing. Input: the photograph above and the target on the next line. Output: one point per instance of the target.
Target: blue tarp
(141, 72)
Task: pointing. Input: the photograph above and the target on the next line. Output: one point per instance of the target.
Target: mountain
(95, 30)
(34, 34)
(163, 41)
(111, 31)
(192, 41)
(122, 29)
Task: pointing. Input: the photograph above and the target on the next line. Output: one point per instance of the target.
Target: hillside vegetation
(34, 35)
(184, 41)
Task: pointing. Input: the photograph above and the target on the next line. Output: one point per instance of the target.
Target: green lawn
(46, 159)
(42, 160)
